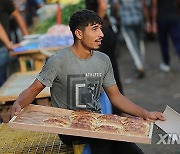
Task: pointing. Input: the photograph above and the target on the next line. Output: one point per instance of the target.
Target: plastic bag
(57, 35)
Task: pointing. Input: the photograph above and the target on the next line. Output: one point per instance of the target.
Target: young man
(76, 75)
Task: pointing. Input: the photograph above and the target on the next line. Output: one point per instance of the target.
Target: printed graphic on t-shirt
(83, 90)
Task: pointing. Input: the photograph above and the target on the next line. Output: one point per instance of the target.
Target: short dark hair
(82, 18)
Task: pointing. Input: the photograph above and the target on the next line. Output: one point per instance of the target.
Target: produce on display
(42, 26)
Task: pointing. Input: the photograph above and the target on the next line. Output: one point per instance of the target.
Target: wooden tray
(16, 83)
(32, 116)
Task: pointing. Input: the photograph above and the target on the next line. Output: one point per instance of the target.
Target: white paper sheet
(172, 123)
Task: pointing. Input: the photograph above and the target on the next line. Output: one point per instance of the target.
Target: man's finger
(16, 113)
(161, 117)
(12, 112)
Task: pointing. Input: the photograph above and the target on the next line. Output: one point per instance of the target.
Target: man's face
(92, 36)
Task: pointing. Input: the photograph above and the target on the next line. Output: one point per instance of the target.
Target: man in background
(108, 45)
(166, 23)
(7, 10)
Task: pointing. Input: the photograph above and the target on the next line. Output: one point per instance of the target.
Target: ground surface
(155, 91)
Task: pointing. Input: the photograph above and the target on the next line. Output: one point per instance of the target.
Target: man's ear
(78, 34)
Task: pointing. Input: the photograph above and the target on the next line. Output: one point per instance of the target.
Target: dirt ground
(155, 91)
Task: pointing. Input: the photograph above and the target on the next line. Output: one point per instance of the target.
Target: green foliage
(67, 11)
(42, 27)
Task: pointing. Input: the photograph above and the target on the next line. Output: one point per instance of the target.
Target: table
(38, 56)
(16, 83)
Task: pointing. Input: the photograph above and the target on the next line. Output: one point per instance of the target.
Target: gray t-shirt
(76, 83)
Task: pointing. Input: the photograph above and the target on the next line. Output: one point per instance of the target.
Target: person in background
(166, 22)
(10, 46)
(108, 45)
(131, 14)
(31, 8)
(15, 34)
(4, 38)
(76, 76)
(7, 10)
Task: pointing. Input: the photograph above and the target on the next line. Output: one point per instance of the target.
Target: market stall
(49, 35)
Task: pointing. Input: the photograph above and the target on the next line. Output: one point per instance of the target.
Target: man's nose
(101, 34)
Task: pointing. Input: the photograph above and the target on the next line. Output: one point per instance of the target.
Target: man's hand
(26, 97)
(148, 27)
(16, 45)
(154, 28)
(155, 116)
(13, 46)
(16, 108)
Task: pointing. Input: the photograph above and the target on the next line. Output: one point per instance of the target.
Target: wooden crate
(16, 83)
(32, 116)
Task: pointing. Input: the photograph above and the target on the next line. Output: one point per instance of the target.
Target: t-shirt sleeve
(109, 79)
(49, 72)
(9, 6)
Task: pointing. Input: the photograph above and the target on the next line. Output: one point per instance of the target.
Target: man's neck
(81, 52)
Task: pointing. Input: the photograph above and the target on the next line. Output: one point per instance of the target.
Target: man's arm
(102, 7)
(147, 16)
(20, 22)
(4, 38)
(154, 11)
(27, 96)
(116, 6)
(178, 6)
(125, 105)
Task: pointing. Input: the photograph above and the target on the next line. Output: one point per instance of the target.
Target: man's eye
(94, 29)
